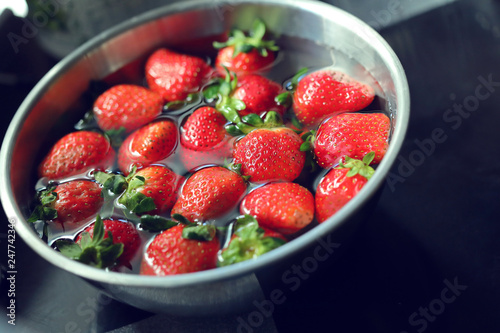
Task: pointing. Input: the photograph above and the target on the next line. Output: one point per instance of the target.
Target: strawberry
(353, 135)
(341, 184)
(127, 106)
(123, 232)
(70, 202)
(174, 75)
(243, 54)
(267, 154)
(210, 193)
(325, 92)
(75, 153)
(149, 144)
(172, 252)
(204, 139)
(284, 207)
(249, 241)
(151, 190)
(97, 249)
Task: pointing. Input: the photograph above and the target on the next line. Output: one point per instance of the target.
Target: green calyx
(204, 232)
(134, 200)
(248, 123)
(308, 139)
(45, 210)
(95, 251)
(249, 242)
(362, 167)
(157, 223)
(292, 84)
(244, 44)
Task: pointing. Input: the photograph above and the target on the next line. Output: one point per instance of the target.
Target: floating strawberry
(127, 106)
(123, 232)
(353, 135)
(97, 249)
(149, 144)
(249, 241)
(243, 54)
(268, 154)
(70, 202)
(75, 153)
(174, 75)
(341, 184)
(176, 251)
(152, 190)
(325, 92)
(284, 207)
(204, 139)
(210, 193)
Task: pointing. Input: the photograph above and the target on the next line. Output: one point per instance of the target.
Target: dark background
(436, 224)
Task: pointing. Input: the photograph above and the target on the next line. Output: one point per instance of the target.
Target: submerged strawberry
(149, 144)
(340, 185)
(151, 190)
(76, 153)
(284, 207)
(70, 202)
(174, 75)
(210, 193)
(127, 106)
(173, 252)
(243, 54)
(325, 92)
(204, 139)
(353, 135)
(123, 232)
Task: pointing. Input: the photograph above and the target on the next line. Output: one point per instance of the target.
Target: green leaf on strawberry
(44, 211)
(95, 251)
(156, 223)
(248, 242)
(358, 167)
(113, 182)
(205, 232)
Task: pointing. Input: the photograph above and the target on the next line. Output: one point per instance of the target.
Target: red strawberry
(126, 106)
(122, 232)
(340, 185)
(259, 94)
(71, 202)
(174, 75)
(243, 54)
(284, 207)
(210, 193)
(152, 190)
(249, 241)
(353, 135)
(326, 92)
(170, 253)
(270, 154)
(149, 144)
(204, 139)
(75, 153)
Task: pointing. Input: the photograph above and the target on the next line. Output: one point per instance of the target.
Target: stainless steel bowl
(227, 289)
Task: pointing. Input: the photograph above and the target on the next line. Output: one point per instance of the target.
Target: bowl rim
(248, 267)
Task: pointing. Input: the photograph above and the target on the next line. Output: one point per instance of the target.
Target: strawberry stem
(358, 167)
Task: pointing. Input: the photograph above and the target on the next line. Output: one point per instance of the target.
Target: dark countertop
(428, 258)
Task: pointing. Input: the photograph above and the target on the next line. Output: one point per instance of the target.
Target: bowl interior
(57, 100)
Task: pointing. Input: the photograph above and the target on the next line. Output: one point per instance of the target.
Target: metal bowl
(227, 289)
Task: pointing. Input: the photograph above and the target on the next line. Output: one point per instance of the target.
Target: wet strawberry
(75, 153)
(243, 54)
(151, 190)
(340, 185)
(172, 253)
(323, 93)
(71, 202)
(270, 154)
(174, 75)
(204, 139)
(126, 106)
(149, 144)
(210, 193)
(284, 207)
(353, 135)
